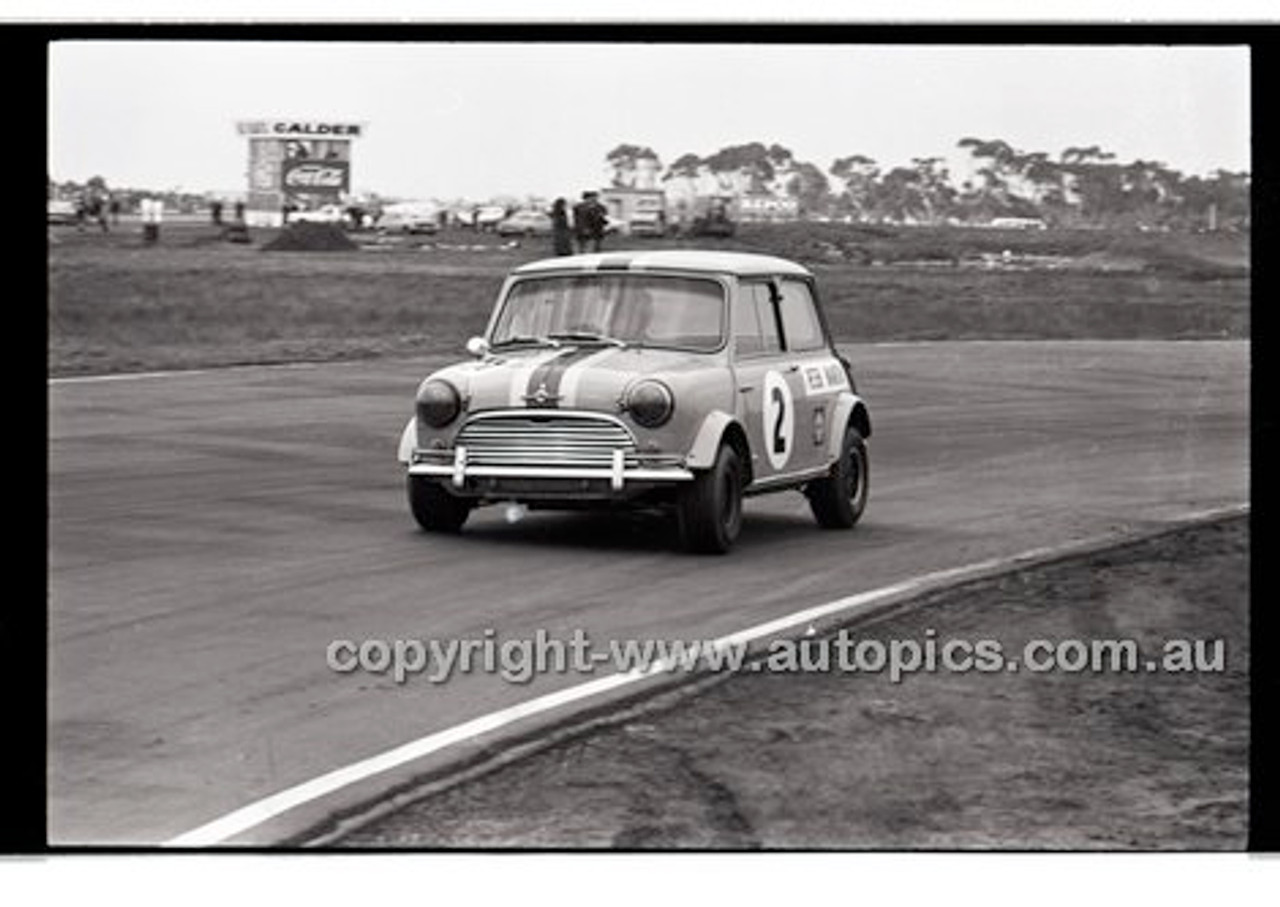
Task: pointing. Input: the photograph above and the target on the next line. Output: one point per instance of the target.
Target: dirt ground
(1087, 761)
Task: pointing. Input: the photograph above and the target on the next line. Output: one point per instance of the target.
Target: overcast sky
(477, 120)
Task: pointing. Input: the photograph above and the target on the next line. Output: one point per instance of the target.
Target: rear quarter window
(800, 322)
(755, 326)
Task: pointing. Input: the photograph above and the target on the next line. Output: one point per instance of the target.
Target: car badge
(542, 396)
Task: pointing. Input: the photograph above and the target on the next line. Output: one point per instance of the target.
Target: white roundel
(779, 419)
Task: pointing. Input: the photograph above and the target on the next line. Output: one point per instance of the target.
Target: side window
(766, 317)
(746, 324)
(800, 321)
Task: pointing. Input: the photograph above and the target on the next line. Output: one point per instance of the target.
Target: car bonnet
(588, 376)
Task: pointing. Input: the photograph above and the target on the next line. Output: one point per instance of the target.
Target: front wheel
(710, 508)
(434, 508)
(838, 500)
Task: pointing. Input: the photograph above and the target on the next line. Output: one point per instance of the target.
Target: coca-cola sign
(319, 177)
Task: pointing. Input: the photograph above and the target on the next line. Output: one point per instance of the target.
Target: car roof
(742, 264)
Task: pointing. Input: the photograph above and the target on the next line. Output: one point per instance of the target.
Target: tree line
(129, 198)
(1079, 187)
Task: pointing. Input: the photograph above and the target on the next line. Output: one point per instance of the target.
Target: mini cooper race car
(674, 379)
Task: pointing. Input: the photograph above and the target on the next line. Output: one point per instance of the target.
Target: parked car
(681, 380)
(409, 217)
(462, 217)
(488, 217)
(525, 223)
(325, 214)
(648, 223)
(61, 211)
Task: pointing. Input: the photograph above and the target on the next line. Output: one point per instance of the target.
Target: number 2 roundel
(779, 419)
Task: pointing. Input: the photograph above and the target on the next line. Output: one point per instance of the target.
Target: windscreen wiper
(527, 340)
(588, 337)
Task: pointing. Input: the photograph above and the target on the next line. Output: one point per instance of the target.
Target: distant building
(626, 206)
(767, 207)
(646, 176)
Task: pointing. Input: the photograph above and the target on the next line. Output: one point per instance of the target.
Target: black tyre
(837, 501)
(710, 508)
(434, 508)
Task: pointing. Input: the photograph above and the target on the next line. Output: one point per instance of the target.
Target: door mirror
(477, 346)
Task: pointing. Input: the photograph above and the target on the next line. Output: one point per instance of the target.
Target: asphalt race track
(211, 533)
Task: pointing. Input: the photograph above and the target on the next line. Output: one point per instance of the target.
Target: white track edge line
(182, 372)
(263, 810)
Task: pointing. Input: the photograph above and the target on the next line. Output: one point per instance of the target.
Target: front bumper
(619, 474)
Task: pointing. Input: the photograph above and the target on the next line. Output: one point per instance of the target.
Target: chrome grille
(559, 440)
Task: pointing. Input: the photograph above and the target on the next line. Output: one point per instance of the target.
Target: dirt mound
(237, 232)
(310, 237)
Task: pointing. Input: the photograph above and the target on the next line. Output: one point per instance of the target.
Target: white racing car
(675, 379)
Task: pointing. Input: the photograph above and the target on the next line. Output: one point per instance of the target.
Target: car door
(815, 376)
(767, 380)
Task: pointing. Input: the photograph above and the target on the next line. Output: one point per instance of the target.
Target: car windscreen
(637, 309)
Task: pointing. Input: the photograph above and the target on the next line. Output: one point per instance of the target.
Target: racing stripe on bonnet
(520, 376)
(543, 389)
(573, 375)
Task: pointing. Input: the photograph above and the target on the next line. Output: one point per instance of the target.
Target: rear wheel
(434, 508)
(710, 507)
(838, 500)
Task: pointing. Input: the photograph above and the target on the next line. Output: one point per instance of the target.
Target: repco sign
(323, 177)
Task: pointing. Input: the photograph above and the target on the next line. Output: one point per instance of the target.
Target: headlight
(438, 403)
(650, 403)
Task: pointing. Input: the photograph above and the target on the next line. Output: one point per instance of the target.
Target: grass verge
(115, 304)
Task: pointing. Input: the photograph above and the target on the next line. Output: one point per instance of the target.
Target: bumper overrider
(545, 454)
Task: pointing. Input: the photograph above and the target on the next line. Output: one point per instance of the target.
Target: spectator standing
(152, 215)
(114, 206)
(97, 210)
(588, 222)
(237, 231)
(215, 212)
(561, 235)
